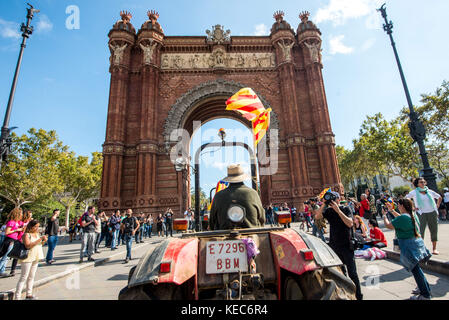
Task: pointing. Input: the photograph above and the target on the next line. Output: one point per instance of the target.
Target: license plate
(226, 257)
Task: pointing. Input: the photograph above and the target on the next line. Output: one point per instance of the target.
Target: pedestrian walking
(159, 222)
(372, 203)
(98, 232)
(318, 223)
(114, 223)
(340, 221)
(424, 200)
(52, 231)
(139, 233)
(14, 227)
(88, 223)
(270, 214)
(150, 222)
(26, 218)
(72, 230)
(33, 242)
(168, 222)
(413, 249)
(446, 201)
(121, 237)
(129, 227)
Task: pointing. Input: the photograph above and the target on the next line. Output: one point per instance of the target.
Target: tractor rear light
(165, 267)
(307, 254)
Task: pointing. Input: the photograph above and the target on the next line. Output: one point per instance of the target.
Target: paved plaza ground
(380, 279)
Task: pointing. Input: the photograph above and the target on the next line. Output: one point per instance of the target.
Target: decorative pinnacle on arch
(304, 16)
(279, 15)
(126, 16)
(153, 15)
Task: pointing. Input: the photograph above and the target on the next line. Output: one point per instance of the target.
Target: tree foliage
(31, 173)
(42, 174)
(386, 147)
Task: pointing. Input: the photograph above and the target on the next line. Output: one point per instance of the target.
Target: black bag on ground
(18, 251)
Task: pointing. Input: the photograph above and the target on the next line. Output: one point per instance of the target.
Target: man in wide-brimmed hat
(237, 194)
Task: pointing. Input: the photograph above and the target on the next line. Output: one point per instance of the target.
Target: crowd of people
(352, 224)
(21, 234)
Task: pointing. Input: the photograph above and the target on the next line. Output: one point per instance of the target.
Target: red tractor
(286, 264)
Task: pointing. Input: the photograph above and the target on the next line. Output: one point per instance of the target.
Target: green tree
(435, 113)
(387, 148)
(79, 180)
(31, 173)
(439, 160)
(204, 199)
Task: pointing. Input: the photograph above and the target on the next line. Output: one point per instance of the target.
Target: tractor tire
(327, 284)
(292, 289)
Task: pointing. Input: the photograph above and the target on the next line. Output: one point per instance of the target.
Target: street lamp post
(5, 139)
(417, 130)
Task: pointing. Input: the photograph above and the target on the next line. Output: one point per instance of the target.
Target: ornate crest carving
(217, 35)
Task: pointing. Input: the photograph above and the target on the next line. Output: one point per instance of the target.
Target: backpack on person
(130, 224)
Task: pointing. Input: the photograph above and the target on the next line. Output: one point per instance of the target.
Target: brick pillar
(121, 42)
(310, 43)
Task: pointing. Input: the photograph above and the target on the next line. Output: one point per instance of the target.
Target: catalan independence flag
(221, 185)
(324, 192)
(246, 102)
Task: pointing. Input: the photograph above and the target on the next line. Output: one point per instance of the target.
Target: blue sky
(64, 80)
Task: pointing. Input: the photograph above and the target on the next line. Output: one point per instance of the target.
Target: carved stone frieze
(218, 58)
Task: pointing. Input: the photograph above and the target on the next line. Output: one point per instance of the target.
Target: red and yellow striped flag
(260, 126)
(221, 185)
(246, 102)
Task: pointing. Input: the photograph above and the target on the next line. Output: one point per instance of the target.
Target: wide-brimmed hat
(236, 174)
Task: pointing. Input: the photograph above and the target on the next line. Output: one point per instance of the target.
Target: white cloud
(337, 46)
(261, 30)
(338, 11)
(44, 24)
(9, 29)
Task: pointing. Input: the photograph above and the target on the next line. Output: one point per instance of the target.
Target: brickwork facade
(160, 83)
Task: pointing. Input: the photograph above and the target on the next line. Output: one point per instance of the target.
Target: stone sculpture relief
(286, 49)
(148, 51)
(217, 59)
(314, 50)
(117, 52)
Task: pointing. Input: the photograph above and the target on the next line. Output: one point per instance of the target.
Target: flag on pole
(221, 185)
(324, 192)
(246, 102)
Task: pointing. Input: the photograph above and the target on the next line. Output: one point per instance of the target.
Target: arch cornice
(180, 109)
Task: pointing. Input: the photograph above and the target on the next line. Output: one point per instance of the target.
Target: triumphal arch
(160, 83)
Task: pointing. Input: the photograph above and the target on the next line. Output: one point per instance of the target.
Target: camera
(328, 197)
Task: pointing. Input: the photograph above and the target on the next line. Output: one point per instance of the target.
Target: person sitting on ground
(376, 235)
(236, 195)
(360, 229)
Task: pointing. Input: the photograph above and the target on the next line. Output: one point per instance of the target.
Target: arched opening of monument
(211, 156)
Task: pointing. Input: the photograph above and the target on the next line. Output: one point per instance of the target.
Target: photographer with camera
(340, 221)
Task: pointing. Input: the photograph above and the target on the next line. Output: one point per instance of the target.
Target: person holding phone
(33, 242)
(413, 249)
(14, 228)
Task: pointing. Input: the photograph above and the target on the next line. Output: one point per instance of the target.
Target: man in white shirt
(427, 209)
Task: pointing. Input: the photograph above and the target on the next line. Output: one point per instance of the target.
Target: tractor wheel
(327, 284)
(292, 289)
